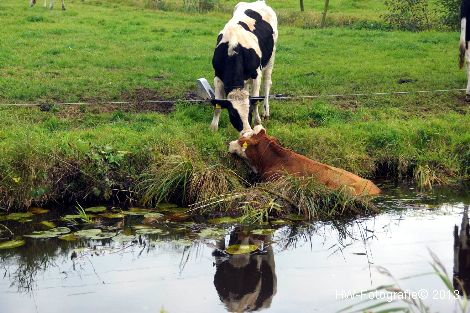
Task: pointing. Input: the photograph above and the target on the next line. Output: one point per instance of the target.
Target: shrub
(157, 4)
(450, 13)
(413, 15)
(199, 5)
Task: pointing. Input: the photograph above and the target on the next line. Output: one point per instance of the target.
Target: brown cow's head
(248, 142)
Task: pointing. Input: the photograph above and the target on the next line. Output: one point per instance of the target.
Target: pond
(181, 266)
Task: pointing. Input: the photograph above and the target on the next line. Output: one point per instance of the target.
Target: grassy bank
(99, 51)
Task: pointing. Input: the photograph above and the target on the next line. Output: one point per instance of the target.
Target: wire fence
(280, 97)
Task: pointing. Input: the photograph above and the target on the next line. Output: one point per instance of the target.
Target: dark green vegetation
(98, 51)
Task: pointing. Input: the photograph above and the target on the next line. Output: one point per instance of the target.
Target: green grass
(99, 51)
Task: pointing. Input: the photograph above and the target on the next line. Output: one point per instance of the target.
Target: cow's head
(238, 106)
(247, 145)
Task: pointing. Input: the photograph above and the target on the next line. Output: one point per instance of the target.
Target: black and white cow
(51, 4)
(464, 38)
(243, 56)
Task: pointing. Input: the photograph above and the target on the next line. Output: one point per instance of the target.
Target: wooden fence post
(323, 18)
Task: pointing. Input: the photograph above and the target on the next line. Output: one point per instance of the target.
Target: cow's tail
(463, 43)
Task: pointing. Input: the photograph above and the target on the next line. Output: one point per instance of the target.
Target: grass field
(99, 51)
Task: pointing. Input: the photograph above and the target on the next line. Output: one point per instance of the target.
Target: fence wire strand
(280, 97)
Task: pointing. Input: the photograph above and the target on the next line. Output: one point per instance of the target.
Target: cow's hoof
(467, 98)
(214, 128)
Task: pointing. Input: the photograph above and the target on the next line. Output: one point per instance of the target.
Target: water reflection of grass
(394, 298)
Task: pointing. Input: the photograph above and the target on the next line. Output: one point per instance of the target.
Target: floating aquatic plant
(263, 231)
(68, 237)
(18, 217)
(241, 249)
(48, 224)
(153, 215)
(213, 233)
(88, 233)
(35, 210)
(150, 231)
(96, 209)
(103, 235)
(224, 220)
(112, 215)
(11, 244)
(51, 233)
(123, 238)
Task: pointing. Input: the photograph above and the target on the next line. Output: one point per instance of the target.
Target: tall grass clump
(186, 179)
(289, 196)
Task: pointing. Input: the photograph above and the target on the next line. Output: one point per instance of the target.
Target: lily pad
(11, 244)
(68, 237)
(48, 224)
(122, 238)
(178, 217)
(241, 249)
(112, 215)
(103, 235)
(96, 209)
(87, 233)
(136, 211)
(223, 220)
(214, 233)
(18, 217)
(164, 206)
(51, 233)
(141, 226)
(38, 210)
(60, 230)
(182, 242)
(265, 231)
(279, 222)
(150, 231)
(153, 215)
(72, 217)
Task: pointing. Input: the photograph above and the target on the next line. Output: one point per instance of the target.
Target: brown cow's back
(273, 160)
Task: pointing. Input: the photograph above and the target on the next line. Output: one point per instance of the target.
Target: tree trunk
(302, 5)
(323, 18)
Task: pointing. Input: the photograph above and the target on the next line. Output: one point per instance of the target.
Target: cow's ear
(259, 130)
(246, 142)
(224, 104)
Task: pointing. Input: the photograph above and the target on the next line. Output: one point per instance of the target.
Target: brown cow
(268, 158)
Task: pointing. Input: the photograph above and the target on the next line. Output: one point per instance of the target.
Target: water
(299, 268)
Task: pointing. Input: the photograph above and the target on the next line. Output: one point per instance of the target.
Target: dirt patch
(141, 101)
(137, 100)
(406, 80)
(346, 103)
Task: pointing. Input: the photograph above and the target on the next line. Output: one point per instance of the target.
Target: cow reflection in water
(245, 282)
(462, 256)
